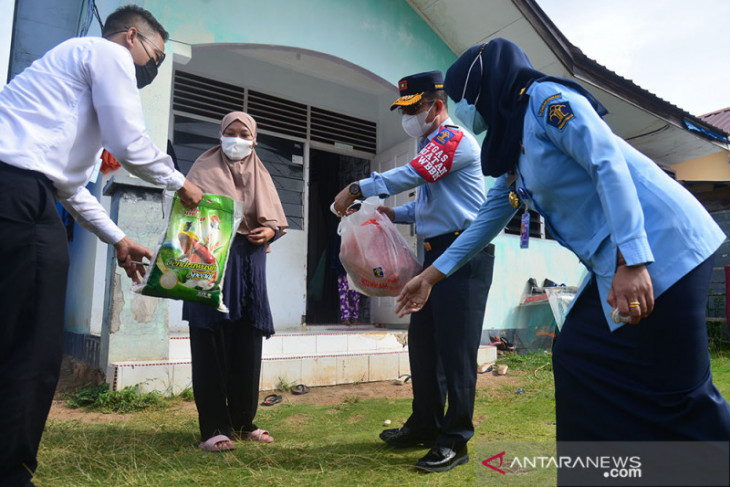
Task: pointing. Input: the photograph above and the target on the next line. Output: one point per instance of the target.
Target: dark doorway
(328, 174)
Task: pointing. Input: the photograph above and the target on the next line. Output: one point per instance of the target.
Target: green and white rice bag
(190, 261)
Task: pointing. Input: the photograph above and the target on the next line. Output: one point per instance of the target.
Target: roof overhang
(652, 125)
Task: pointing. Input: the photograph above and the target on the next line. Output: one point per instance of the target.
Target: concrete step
(314, 341)
(319, 356)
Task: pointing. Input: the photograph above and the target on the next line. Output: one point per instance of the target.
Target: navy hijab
(504, 72)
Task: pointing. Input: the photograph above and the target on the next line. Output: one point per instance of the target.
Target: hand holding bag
(375, 255)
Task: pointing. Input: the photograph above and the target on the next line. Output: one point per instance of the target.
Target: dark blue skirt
(244, 292)
(645, 382)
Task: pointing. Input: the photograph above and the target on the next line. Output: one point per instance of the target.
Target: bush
(127, 400)
(187, 395)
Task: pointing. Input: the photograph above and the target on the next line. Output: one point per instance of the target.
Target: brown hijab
(246, 180)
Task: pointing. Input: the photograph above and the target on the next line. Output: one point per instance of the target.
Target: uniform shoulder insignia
(559, 114)
(547, 100)
(444, 135)
(435, 160)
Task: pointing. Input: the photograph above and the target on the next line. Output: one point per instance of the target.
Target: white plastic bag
(375, 255)
(560, 299)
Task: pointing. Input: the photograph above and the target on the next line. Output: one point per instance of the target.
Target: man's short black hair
(133, 16)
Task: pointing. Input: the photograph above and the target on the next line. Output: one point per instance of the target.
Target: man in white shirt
(55, 117)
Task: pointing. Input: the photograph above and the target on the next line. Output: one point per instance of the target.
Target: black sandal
(300, 389)
(271, 400)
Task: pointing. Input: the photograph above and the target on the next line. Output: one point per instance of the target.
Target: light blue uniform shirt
(597, 194)
(447, 205)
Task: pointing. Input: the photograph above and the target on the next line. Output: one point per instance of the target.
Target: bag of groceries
(190, 260)
(375, 255)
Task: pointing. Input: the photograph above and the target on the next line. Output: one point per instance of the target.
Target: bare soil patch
(330, 395)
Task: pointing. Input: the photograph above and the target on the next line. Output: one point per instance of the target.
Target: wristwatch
(355, 190)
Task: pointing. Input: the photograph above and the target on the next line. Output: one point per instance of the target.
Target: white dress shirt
(56, 116)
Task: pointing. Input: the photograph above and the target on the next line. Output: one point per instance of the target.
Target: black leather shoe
(406, 438)
(441, 459)
(388, 433)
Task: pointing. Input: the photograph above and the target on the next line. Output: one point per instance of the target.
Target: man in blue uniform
(444, 336)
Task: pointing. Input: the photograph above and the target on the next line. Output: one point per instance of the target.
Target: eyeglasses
(162, 54)
(159, 60)
(413, 109)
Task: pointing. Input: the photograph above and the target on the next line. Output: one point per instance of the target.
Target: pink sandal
(212, 444)
(260, 435)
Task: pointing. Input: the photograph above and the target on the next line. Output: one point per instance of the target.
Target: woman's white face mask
(235, 148)
(416, 125)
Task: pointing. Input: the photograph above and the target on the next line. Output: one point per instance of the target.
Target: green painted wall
(544, 259)
(386, 37)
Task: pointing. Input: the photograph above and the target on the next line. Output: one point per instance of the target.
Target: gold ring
(634, 304)
(414, 304)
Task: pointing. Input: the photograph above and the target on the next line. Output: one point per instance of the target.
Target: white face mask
(236, 149)
(416, 125)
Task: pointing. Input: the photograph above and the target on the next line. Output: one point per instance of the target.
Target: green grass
(316, 445)
(720, 355)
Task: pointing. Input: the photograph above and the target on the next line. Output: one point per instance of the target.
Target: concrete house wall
(7, 14)
(383, 38)
(374, 43)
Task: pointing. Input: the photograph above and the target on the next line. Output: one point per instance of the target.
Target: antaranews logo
(539, 463)
(611, 466)
(487, 462)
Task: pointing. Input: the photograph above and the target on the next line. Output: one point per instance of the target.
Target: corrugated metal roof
(719, 119)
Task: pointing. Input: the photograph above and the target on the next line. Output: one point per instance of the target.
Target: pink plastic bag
(375, 255)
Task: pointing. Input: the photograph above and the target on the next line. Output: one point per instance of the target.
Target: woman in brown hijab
(226, 347)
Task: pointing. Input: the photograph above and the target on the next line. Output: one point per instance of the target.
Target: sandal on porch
(217, 444)
(259, 435)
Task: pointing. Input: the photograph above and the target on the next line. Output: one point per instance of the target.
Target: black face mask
(145, 74)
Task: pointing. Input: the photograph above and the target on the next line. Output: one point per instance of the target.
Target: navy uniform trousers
(34, 254)
(443, 340)
(649, 382)
(645, 382)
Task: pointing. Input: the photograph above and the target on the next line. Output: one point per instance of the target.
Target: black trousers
(649, 382)
(645, 382)
(443, 341)
(34, 254)
(226, 373)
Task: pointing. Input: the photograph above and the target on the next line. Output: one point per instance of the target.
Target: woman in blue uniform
(647, 242)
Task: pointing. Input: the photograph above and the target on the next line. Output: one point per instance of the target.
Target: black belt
(444, 240)
(4, 166)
